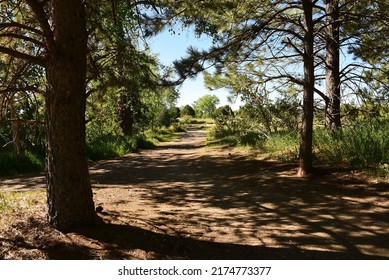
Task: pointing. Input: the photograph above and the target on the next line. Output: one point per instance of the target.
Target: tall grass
(282, 146)
(110, 146)
(4, 203)
(364, 145)
(101, 147)
(10, 164)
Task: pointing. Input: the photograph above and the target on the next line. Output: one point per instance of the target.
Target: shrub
(251, 139)
(187, 110)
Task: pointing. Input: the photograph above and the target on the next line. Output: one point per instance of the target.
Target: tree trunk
(332, 114)
(69, 193)
(305, 161)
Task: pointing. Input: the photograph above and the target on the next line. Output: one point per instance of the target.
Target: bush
(251, 139)
(178, 127)
(187, 110)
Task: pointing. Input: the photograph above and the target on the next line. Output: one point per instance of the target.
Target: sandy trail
(222, 199)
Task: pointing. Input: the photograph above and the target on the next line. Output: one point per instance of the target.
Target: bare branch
(40, 15)
(33, 59)
(22, 89)
(20, 26)
(24, 38)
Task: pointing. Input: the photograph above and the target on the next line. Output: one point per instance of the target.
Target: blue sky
(172, 47)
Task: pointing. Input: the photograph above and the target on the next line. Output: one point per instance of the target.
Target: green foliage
(4, 203)
(205, 107)
(10, 164)
(215, 138)
(370, 32)
(251, 139)
(178, 127)
(168, 117)
(259, 122)
(187, 110)
(282, 146)
(363, 145)
(224, 119)
(110, 146)
(12, 201)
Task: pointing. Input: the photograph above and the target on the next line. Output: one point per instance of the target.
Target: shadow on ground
(184, 201)
(121, 241)
(211, 204)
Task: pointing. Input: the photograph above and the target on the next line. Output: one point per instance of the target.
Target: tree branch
(40, 15)
(22, 89)
(33, 59)
(24, 38)
(21, 26)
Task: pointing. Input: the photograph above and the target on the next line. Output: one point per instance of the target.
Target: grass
(282, 146)
(191, 120)
(229, 141)
(360, 146)
(10, 164)
(19, 201)
(109, 146)
(364, 146)
(102, 147)
(4, 203)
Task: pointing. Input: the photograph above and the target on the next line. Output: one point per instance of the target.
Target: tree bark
(332, 113)
(69, 192)
(305, 161)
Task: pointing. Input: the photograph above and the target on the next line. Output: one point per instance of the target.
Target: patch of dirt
(183, 200)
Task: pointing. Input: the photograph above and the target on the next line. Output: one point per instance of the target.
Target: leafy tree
(368, 28)
(206, 106)
(53, 36)
(225, 120)
(358, 26)
(123, 68)
(187, 110)
(270, 34)
(264, 42)
(55, 39)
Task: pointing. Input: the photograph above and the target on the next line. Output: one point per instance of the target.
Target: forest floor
(184, 200)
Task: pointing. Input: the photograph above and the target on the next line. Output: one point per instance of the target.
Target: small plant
(178, 127)
(383, 170)
(4, 202)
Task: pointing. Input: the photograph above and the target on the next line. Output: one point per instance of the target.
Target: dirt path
(184, 200)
